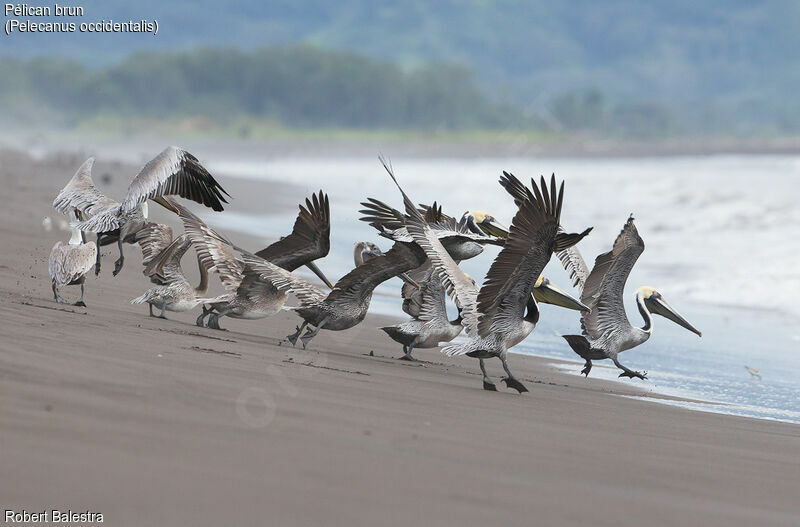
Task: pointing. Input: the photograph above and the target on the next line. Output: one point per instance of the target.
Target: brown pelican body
(503, 311)
(69, 263)
(172, 172)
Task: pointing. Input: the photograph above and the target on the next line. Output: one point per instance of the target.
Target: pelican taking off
(172, 172)
(70, 262)
(606, 329)
(503, 312)
(173, 292)
(347, 305)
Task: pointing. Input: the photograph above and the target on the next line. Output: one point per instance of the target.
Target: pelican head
(656, 304)
(545, 291)
(365, 251)
(482, 223)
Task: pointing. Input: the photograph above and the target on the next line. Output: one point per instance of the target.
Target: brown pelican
(249, 296)
(429, 326)
(463, 239)
(606, 329)
(70, 262)
(172, 172)
(175, 292)
(347, 304)
(495, 316)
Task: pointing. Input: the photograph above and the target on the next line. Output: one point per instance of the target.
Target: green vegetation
(651, 69)
(299, 87)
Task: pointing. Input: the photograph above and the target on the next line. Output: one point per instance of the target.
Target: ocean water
(721, 246)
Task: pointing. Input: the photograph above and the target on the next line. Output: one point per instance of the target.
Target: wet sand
(159, 422)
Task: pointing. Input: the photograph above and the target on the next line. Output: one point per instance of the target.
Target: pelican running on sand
(347, 305)
(504, 311)
(173, 292)
(172, 172)
(250, 297)
(606, 329)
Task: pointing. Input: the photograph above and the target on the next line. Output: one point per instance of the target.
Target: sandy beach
(159, 422)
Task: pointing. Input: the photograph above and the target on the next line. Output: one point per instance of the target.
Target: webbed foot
(293, 337)
(79, 303)
(489, 386)
(511, 382)
(634, 374)
(587, 368)
(408, 357)
(118, 266)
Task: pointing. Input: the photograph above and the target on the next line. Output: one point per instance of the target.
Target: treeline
(294, 86)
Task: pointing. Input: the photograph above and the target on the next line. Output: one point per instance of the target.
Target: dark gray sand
(159, 422)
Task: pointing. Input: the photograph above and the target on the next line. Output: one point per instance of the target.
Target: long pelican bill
(548, 293)
(492, 227)
(409, 280)
(656, 304)
(317, 271)
(167, 204)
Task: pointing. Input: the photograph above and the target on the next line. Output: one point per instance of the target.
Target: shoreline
(159, 422)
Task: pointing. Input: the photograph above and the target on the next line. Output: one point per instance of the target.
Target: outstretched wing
(508, 284)
(606, 283)
(174, 172)
(359, 283)
(457, 284)
(284, 280)
(570, 257)
(153, 238)
(310, 237)
(213, 250)
(82, 194)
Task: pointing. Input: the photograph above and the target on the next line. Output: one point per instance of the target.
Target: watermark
(24, 516)
(57, 18)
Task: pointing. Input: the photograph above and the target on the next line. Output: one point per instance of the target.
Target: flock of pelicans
(428, 246)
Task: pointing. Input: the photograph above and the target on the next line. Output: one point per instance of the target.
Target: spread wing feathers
(69, 262)
(104, 220)
(82, 194)
(606, 283)
(255, 289)
(284, 280)
(413, 297)
(174, 171)
(152, 239)
(213, 250)
(573, 263)
(310, 237)
(165, 267)
(570, 257)
(532, 236)
(433, 305)
(359, 283)
(391, 223)
(457, 284)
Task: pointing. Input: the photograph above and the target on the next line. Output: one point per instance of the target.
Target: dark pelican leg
(213, 318)
(627, 372)
(97, 262)
(311, 333)
(118, 264)
(151, 310)
(512, 381)
(201, 318)
(56, 296)
(487, 382)
(587, 367)
(407, 353)
(293, 337)
(80, 302)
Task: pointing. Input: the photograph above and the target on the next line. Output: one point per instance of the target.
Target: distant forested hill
(730, 66)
